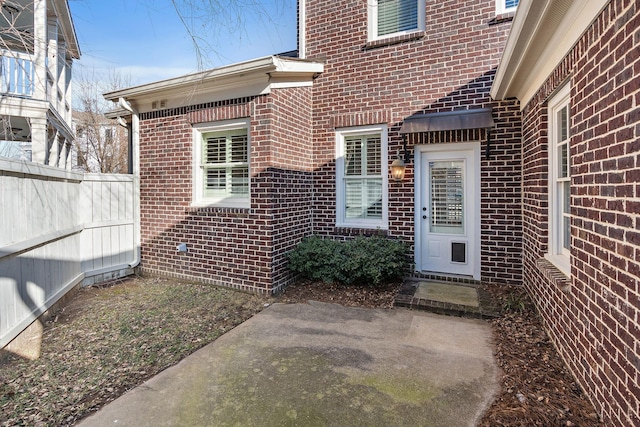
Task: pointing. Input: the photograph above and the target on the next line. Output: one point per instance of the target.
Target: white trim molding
(370, 223)
(199, 200)
(542, 34)
(474, 190)
(254, 77)
(559, 174)
(372, 21)
(502, 8)
(302, 28)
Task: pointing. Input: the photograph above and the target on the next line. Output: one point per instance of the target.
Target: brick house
(579, 91)
(239, 163)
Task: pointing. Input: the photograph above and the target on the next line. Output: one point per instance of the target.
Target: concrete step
(454, 299)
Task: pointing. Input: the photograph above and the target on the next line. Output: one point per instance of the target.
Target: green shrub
(313, 259)
(364, 260)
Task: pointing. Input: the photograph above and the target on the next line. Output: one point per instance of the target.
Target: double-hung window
(388, 18)
(506, 6)
(221, 160)
(560, 180)
(361, 178)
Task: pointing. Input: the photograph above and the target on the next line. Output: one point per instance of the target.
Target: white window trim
(341, 221)
(302, 29)
(557, 255)
(502, 9)
(198, 199)
(372, 13)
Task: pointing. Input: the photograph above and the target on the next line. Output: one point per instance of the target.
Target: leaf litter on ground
(110, 339)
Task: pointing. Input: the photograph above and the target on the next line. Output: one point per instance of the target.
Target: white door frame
(474, 175)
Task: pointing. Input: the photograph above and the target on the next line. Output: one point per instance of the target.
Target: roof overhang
(542, 34)
(238, 80)
(454, 120)
(68, 29)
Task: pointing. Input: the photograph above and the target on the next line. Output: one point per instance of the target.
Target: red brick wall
(593, 317)
(241, 248)
(501, 198)
(290, 175)
(450, 66)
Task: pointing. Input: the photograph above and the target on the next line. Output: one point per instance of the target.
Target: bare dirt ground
(110, 339)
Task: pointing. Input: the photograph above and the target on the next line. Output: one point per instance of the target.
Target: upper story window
(560, 181)
(361, 178)
(506, 6)
(388, 18)
(221, 165)
(108, 135)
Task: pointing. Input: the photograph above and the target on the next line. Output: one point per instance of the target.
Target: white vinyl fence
(57, 229)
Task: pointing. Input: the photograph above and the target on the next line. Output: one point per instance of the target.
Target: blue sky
(146, 40)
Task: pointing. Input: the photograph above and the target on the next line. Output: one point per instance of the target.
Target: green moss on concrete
(301, 387)
(401, 390)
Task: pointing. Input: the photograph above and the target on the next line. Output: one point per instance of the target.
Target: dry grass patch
(108, 340)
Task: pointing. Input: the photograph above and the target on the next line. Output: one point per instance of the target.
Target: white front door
(448, 209)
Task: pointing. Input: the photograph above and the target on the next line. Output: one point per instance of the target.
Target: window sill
(388, 41)
(502, 17)
(361, 226)
(221, 204)
(554, 274)
(226, 211)
(360, 231)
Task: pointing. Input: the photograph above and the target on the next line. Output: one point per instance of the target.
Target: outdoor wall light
(397, 169)
(399, 165)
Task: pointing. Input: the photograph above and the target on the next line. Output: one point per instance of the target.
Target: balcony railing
(16, 73)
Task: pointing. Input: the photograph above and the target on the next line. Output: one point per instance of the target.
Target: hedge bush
(364, 260)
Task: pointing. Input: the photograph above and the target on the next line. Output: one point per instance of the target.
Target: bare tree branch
(101, 143)
(206, 20)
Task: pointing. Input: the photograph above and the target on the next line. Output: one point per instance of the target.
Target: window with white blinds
(363, 177)
(393, 17)
(397, 15)
(560, 180)
(506, 6)
(222, 160)
(226, 164)
(361, 180)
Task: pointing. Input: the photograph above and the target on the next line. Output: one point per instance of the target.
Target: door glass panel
(447, 197)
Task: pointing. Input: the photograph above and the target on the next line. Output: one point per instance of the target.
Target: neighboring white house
(37, 47)
(101, 144)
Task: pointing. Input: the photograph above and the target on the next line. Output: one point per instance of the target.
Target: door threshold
(443, 277)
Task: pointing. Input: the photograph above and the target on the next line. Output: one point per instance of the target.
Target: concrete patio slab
(323, 364)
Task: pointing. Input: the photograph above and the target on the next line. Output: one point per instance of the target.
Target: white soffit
(68, 29)
(542, 33)
(242, 79)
